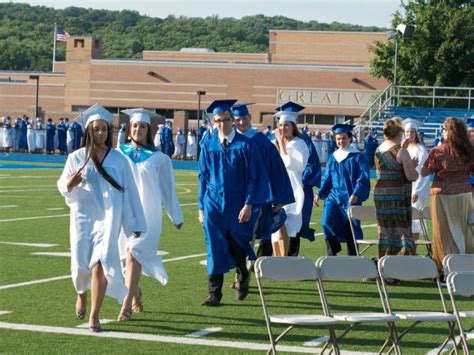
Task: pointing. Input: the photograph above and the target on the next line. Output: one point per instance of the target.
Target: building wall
(171, 79)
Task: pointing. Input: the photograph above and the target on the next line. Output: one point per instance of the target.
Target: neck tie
(224, 143)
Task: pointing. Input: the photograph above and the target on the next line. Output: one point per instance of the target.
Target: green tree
(441, 50)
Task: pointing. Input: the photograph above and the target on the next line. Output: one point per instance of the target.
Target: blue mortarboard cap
(279, 219)
(241, 110)
(342, 128)
(470, 122)
(269, 126)
(290, 107)
(220, 106)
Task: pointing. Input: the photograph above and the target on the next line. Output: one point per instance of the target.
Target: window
(78, 43)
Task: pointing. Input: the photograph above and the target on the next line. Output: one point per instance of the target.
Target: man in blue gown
(346, 182)
(50, 133)
(22, 130)
(279, 181)
(77, 129)
(231, 182)
(62, 145)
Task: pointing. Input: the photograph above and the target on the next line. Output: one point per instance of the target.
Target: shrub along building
(327, 72)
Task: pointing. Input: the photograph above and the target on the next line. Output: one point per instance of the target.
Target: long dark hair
(296, 133)
(90, 146)
(150, 145)
(457, 140)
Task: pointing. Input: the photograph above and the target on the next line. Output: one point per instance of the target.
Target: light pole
(407, 32)
(199, 94)
(37, 78)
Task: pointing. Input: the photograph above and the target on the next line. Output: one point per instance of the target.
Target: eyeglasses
(223, 121)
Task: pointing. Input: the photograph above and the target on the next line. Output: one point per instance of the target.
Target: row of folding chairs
(353, 269)
(368, 214)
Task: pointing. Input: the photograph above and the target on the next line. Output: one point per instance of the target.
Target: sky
(358, 12)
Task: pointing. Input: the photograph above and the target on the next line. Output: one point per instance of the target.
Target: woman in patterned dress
(392, 192)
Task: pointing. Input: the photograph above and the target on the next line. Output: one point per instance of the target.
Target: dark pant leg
(332, 246)
(240, 258)
(265, 248)
(294, 248)
(215, 283)
(351, 248)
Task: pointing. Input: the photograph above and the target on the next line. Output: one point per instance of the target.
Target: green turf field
(42, 319)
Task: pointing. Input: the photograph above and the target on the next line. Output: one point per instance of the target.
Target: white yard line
(5, 312)
(9, 206)
(317, 342)
(28, 190)
(163, 338)
(102, 322)
(201, 333)
(61, 254)
(188, 204)
(31, 218)
(34, 282)
(55, 208)
(68, 276)
(36, 245)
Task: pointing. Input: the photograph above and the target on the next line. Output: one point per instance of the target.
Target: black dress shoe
(243, 288)
(211, 301)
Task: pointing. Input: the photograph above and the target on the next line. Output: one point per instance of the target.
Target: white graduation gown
(8, 137)
(98, 210)
(191, 146)
(295, 162)
(420, 186)
(69, 140)
(39, 144)
(121, 137)
(30, 138)
(155, 182)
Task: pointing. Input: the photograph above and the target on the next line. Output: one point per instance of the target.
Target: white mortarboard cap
(411, 123)
(284, 116)
(141, 115)
(93, 113)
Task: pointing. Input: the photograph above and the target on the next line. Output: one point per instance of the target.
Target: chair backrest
(426, 213)
(346, 268)
(416, 213)
(364, 213)
(458, 262)
(461, 283)
(291, 268)
(407, 267)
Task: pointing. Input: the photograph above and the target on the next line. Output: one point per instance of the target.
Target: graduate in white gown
(99, 188)
(420, 191)
(153, 174)
(39, 135)
(30, 137)
(121, 135)
(295, 154)
(191, 149)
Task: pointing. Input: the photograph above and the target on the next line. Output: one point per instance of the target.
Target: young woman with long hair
(153, 175)
(98, 186)
(450, 196)
(295, 154)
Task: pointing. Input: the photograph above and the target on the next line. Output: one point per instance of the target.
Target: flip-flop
(80, 313)
(95, 328)
(137, 305)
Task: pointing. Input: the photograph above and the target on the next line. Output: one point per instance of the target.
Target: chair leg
(450, 337)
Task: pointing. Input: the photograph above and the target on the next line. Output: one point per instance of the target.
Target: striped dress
(392, 197)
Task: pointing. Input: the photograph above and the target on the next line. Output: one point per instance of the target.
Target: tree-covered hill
(26, 33)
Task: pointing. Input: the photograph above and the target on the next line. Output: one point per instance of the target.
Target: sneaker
(211, 301)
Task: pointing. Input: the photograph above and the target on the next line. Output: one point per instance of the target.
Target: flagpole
(54, 45)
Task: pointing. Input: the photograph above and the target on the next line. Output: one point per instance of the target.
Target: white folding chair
(362, 213)
(416, 268)
(458, 262)
(461, 284)
(356, 268)
(290, 269)
(423, 215)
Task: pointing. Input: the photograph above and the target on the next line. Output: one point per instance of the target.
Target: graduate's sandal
(80, 313)
(125, 315)
(95, 328)
(137, 305)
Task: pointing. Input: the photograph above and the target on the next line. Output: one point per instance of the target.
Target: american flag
(61, 35)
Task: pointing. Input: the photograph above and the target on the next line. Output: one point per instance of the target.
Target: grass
(173, 310)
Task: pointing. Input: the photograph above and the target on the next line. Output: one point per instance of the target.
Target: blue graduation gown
(77, 129)
(50, 132)
(370, 147)
(341, 180)
(229, 179)
(311, 178)
(280, 184)
(22, 127)
(62, 146)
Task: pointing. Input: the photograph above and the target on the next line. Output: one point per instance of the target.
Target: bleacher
(433, 118)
